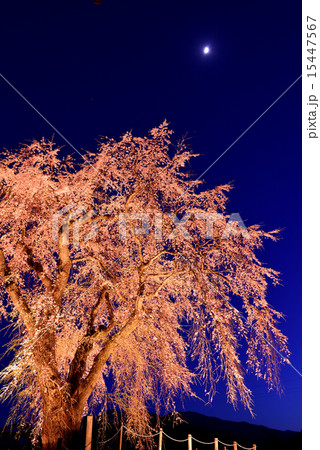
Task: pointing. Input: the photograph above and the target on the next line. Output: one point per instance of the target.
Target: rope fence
(226, 445)
(161, 434)
(172, 439)
(144, 436)
(203, 443)
(110, 439)
(245, 448)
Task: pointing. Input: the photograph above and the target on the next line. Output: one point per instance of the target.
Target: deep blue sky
(102, 70)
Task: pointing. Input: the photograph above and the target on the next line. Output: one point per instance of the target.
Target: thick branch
(151, 260)
(93, 219)
(13, 290)
(135, 237)
(104, 296)
(37, 267)
(78, 364)
(64, 265)
(91, 258)
(101, 358)
(167, 278)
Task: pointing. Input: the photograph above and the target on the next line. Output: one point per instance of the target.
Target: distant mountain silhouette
(205, 428)
(201, 427)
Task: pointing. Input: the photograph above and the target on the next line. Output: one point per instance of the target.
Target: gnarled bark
(61, 421)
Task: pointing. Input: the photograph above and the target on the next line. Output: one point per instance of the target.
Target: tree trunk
(61, 416)
(60, 423)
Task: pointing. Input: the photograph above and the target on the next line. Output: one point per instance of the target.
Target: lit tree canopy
(119, 271)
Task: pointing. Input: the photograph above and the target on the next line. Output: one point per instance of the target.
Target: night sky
(95, 70)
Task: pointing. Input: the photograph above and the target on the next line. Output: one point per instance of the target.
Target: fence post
(89, 432)
(234, 445)
(216, 444)
(120, 439)
(160, 439)
(189, 442)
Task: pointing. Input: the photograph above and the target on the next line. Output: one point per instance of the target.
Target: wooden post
(254, 447)
(234, 445)
(189, 442)
(89, 432)
(224, 448)
(216, 443)
(160, 439)
(120, 440)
